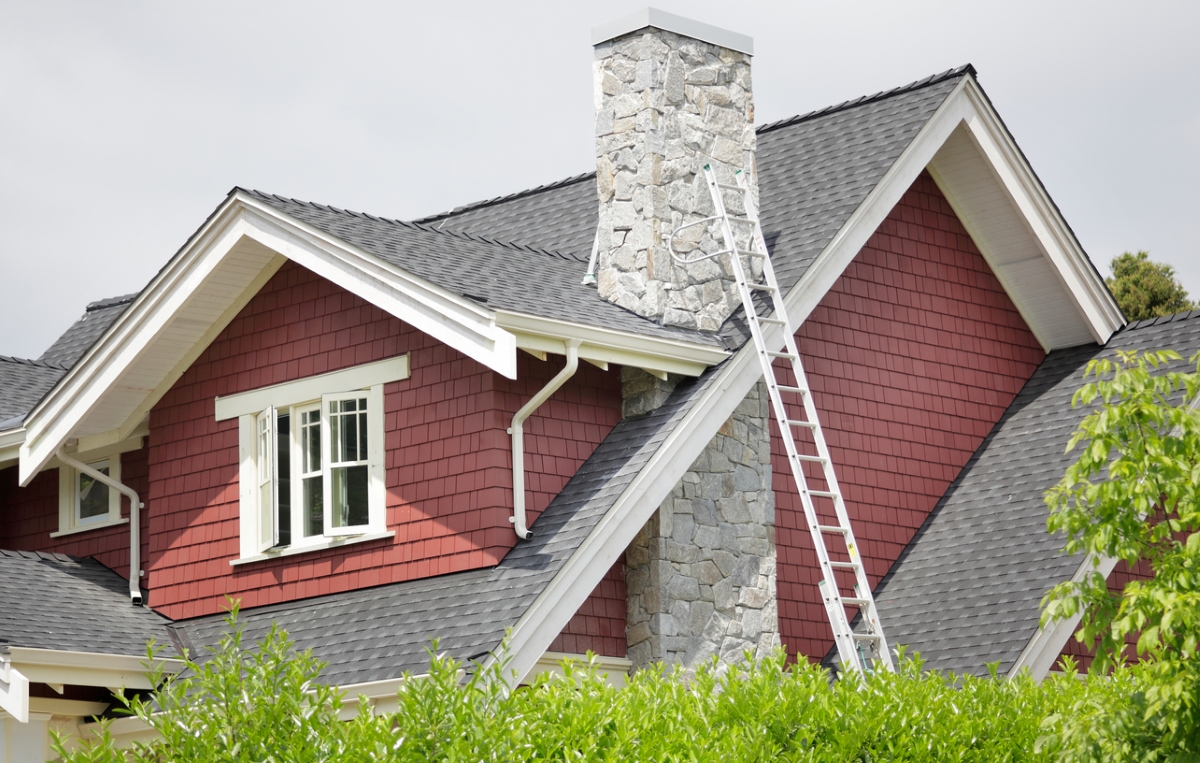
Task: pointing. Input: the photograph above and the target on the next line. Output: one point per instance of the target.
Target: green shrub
(261, 703)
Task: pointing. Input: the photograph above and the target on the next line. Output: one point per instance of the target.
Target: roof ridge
(932, 79)
(1183, 315)
(101, 304)
(49, 556)
(414, 225)
(33, 362)
(506, 197)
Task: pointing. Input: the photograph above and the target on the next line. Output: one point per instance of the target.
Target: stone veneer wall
(700, 576)
(666, 105)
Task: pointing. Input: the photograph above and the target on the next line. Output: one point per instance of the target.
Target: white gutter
(135, 507)
(518, 435)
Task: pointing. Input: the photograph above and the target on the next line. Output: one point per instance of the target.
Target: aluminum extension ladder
(853, 648)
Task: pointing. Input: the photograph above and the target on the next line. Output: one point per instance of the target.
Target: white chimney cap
(669, 22)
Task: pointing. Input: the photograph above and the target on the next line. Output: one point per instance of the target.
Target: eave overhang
(21, 666)
(107, 395)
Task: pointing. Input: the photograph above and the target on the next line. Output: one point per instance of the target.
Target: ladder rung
(810, 459)
(833, 529)
(772, 321)
(854, 601)
(750, 253)
(787, 355)
(760, 287)
(731, 218)
(864, 636)
(805, 424)
(730, 187)
(844, 565)
(822, 493)
(797, 390)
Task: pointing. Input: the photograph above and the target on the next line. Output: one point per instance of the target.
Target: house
(309, 409)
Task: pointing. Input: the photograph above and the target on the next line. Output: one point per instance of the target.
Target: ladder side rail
(831, 594)
(869, 613)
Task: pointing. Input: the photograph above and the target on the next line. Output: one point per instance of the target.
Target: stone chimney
(672, 94)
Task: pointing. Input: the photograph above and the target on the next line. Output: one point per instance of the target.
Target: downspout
(518, 436)
(135, 506)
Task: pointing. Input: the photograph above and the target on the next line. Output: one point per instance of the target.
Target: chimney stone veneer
(666, 104)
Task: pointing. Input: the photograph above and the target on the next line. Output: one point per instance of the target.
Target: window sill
(308, 547)
(92, 526)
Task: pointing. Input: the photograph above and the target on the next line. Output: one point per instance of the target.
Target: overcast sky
(123, 125)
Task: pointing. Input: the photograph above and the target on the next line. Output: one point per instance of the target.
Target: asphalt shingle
(22, 384)
(88, 611)
(966, 590)
(79, 338)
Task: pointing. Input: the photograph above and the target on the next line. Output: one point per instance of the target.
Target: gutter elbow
(518, 436)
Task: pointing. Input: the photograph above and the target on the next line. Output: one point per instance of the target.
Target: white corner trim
(304, 548)
(312, 387)
(86, 528)
(14, 691)
(1042, 651)
(10, 445)
(669, 22)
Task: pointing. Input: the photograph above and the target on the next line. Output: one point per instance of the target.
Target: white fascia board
(1041, 653)
(50, 424)
(450, 318)
(600, 345)
(1071, 263)
(54, 666)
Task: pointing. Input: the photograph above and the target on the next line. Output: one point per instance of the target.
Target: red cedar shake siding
(599, 625)
(913, 356)
(449, 478)
(31, 514)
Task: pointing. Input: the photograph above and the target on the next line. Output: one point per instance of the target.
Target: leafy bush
(261, 703)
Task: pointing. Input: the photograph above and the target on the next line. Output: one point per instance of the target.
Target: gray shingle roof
(966, 590)
(54, 601)
(379, 633)
(815, 170)
(22, 385)
(502, 276)
(79, 338)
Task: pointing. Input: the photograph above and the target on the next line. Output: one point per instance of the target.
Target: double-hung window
(312, 459)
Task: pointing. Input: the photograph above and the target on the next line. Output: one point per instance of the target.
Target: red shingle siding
(1121, 575)
(599, 625)
(912, 356)
(31, 514)
(449, 477)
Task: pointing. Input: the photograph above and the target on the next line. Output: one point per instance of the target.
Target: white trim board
(312, 387)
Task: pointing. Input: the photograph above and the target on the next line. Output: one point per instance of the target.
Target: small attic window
(85, 503)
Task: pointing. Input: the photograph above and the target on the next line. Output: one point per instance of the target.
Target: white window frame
(69, 520)
(258, 413)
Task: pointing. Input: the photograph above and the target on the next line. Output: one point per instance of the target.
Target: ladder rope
(849, 643)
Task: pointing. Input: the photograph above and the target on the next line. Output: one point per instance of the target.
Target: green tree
(1144, 288)
(1134, 494)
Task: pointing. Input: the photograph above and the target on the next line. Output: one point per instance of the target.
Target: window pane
(93, 496)
(284, 445)
(311, 440)
(314, 510)
(349, 495)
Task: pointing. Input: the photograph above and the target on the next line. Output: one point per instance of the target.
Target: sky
(124, 124)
